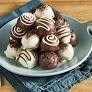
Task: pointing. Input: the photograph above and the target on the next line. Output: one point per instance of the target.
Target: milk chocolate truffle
(63, 30)
(73, 40)
(15, 36)
(66, 51)
(26, 20)
(15, 42)
(12, 52)
(48, 60)
(44, 10)
(49, 43)
(27, 58)
(45, 26)
(64, 33)
(30, 41)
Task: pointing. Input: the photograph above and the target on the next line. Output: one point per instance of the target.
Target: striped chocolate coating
(51, 40)
(17, 32)
(63, 31)
(45, 26)
(45, 23)
(27, 56)
(27, 19)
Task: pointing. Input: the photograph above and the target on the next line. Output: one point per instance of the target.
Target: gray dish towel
(57, 83)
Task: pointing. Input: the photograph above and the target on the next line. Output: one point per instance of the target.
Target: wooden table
(80, 9)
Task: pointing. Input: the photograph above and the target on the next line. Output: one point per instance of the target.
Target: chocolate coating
(45, 26)
(15, 42)
(25, 21)
(48, 60)
(59, 20)
(49, 43)
(73, 40)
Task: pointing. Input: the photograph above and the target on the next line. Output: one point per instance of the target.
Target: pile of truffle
(42, 38)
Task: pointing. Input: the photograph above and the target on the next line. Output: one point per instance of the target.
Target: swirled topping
(45, 23)
(63, 31)
(51, 40)
(17, 32)
(27, 18)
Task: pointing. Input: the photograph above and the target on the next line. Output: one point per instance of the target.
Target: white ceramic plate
(82, 51)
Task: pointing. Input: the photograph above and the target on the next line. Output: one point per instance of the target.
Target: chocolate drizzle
(24, 54)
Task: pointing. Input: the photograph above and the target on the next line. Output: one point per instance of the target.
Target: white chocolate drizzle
(27, 18)
(44, 23)
(51, 40)
(17, 32)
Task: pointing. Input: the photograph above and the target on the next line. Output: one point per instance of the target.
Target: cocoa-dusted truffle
(44, 10)
(45, 26)
(26, 20)
(73, 40)
(49, 43)
(48, 60)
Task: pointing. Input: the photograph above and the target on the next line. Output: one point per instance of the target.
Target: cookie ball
(27, 58)
(30, 41)
(44, 11)
(64, 33)
(66, 51)
(49, 43)
(45, 26)
(26, 20)
(12, 52)
(73, 40)
(48, 60)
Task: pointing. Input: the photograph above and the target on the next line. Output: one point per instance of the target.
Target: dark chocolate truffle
(73, 40)
(15, 42)
(48, 60)
(49, 43)
(45, 26)
(26, 20)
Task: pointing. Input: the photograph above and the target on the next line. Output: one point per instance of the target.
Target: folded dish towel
(57, 83)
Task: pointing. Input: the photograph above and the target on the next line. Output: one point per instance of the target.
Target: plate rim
(47, 74)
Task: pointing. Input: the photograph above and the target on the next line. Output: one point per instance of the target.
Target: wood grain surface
(79, 9)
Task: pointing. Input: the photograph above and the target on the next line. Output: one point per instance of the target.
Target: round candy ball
(73, 40)
(44, 10)
(48, 60)
(26, 20)
(66, 51)
(12, 52)
(45, 26)
(49, 43)
(27, 58)
(30, 41)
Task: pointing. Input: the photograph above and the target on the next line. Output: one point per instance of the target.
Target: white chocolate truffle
(67, 53)
(27, 58)
(44, 11)
(31, 42)
(12, 52)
